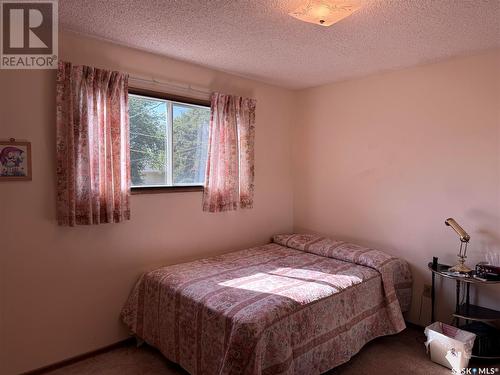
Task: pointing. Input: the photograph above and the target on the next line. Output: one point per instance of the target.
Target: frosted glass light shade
(325, 12)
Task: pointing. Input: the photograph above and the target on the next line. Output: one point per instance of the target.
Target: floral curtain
(230, 164)
(93, 165)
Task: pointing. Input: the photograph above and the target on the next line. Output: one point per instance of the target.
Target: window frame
(172, 98)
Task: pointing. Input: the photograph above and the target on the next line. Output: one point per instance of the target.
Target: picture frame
(15, 160)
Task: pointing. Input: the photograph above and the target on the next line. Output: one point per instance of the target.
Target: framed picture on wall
(15, 160)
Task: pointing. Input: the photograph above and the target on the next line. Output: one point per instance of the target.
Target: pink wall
(384, 160)
(380, 161)
(62, 289)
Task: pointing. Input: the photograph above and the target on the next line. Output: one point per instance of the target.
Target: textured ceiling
(258, 39)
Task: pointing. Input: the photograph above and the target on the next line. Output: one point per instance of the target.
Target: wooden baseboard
(80, 357)
(116, 345)
(413, 325)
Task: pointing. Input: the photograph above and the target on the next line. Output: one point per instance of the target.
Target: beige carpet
(400, 354)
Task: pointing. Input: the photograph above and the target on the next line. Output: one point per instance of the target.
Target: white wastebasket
(449, 346)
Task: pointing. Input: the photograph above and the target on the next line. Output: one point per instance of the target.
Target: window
(168, 142)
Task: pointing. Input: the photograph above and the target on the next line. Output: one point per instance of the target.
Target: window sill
(165, 189)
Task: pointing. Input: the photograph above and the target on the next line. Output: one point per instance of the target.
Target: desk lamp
(464, 241)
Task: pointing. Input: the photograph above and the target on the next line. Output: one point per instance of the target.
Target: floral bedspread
(301, 305)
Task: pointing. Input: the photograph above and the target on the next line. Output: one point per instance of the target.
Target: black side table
(487, 344)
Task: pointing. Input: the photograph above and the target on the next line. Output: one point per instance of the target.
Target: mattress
(300, 305)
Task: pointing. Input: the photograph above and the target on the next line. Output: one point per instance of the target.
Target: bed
(302, 304)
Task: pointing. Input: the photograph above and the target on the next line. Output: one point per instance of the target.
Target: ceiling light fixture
(325, 12)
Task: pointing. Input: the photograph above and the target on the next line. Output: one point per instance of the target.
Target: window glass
(190, 139)
(168, 142)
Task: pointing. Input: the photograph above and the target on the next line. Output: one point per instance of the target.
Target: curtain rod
(171, 85)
